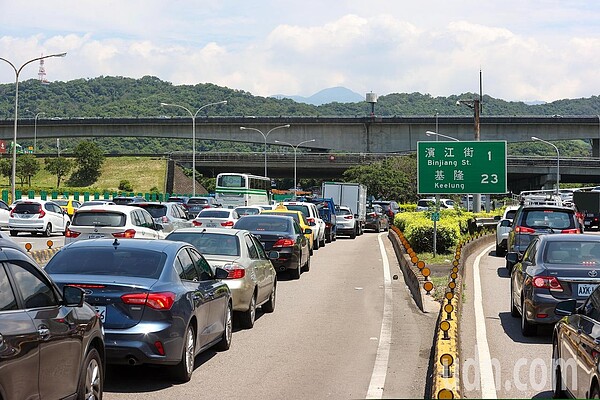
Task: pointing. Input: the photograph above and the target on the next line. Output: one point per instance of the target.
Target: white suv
(503, 228)
(35, 216)
(311, 212)
(113, 221)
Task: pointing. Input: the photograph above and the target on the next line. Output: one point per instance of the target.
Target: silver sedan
(252, 279)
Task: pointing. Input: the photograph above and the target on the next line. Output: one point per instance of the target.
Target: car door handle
(44, 332)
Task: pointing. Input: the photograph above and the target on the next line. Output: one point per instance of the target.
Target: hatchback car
(531, 221)
(553, 268)
(216, 218)
(345, 221)
(38, 216)
(252, 278)
(113, 221)
(4, 214)
(160, 301)
(390, 207)
(170, 216)
(300, 219)
(575, 349)
(69, 205)
(125, 200)
(52, 343)
(281, 233)
(377, 219)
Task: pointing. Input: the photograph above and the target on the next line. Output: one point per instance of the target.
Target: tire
(527, 328)
(354, 233)
(269, 306)
(48, 230)
(247, 318)
(557, 382)
(225, 342)
(595, 392)
(298, 271)
(499, 251)
(377, 228)
(306, 266)
(334, 237)
(182, 372)
(323, 241)
(91, 380)
(509, 266)
(66, 228)
(14, 233)
(316, 244)
(514, 311)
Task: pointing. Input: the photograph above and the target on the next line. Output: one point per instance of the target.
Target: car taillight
(128, 234)
(157, 301)
(310, 220)
(197, 223)
(576, 230)
(524, 229)
(234, 271)
(42, 213)
(547, 282)
(227, 223)
(373, 215)
(348, 217)
(284, 243)
(72, 234)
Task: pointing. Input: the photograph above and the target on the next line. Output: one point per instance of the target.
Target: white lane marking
(488, 387)
(383, 349)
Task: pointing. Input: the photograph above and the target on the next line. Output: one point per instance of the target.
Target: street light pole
(557, 162)
(475, 106)
(35, 131)
(295, 164)
(265, 135)
(17, 72)
(193, 115)
(430, 133)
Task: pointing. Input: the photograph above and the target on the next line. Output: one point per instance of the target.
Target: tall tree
(60, 167)
(27, 167)
(89, 159)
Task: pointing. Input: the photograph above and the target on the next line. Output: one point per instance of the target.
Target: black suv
(531, 221)
(390, 207)
(50, 339)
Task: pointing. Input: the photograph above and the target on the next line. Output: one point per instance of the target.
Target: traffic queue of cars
(162, 299)
(555, 281)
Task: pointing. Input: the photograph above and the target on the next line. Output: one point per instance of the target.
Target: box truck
(352, 195)
(588, 204)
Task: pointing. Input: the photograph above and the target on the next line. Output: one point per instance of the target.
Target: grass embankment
(143, 173)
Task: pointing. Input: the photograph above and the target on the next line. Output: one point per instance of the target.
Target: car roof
(571, 237)
(108, 207)
(546, 207)
(149, 244)
(200, 231)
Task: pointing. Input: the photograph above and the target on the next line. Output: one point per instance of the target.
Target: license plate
(587, 222)
(584, 289)
(92, 236)
(101, 310)
(211, 225)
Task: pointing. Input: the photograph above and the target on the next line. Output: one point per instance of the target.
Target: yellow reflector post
(49, 243)
(428, 286)
(445, 394)
(28, 246)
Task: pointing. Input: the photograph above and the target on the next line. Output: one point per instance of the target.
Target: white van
(425, 204)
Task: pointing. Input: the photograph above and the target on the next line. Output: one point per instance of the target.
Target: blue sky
(527, 50)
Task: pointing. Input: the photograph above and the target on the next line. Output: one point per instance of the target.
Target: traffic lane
(321, 341)
(520, 366)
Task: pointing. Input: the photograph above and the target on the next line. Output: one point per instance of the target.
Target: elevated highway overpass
(390, 134)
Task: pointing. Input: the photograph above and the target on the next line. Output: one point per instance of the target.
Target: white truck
(352, 195)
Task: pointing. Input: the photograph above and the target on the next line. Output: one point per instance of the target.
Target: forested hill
(125, 97)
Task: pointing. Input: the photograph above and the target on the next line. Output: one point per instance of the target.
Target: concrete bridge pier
(595, 148)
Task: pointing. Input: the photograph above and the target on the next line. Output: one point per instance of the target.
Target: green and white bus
(236, 189)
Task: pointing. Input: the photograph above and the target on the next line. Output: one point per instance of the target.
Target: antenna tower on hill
(42, 73)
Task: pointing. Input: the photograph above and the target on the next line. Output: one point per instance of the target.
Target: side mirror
(73, 296)
(566, 308)
(158, 227)
(307, 231)
(220, 273)
(513, 257)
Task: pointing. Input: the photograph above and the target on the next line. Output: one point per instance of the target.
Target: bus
(238, 189)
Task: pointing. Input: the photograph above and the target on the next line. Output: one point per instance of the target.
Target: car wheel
(499, 251)
(316, 244)
(513, 308)
(298, 270)
(247, 318)
(557, 382)
(527, 328)
(14, 233)
(322, 242)
(353, 234)
(306, 267)
(48, 230)
(595, 392)
(225, 342)
(269, 306)
(334, 238)
(183, 370)
(377, 228)
(509, 266)
(66, 228)
(91, 380)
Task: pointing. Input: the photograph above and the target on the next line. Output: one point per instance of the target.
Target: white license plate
(585, 289)
(101, 310)
(587, 222)
(209, 225)
(92, 236)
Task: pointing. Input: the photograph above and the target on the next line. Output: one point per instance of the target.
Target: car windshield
(209, 243)
(556, 219)
(266, 223)
(247, 211)
(213, 214)
(99, 218)
(156, 210)
(138, 263)
(301, 208)
(567, 252)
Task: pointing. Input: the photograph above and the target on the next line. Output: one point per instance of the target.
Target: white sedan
(503, 228)
(216, 218)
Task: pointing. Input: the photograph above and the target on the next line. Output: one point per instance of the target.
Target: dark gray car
(171, 216)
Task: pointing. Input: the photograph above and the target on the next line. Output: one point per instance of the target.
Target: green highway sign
(435, 216)
(461, 167)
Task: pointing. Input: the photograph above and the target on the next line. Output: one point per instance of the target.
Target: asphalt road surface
(345, 330)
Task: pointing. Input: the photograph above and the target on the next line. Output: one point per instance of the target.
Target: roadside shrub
(420, 235)
(125, 185)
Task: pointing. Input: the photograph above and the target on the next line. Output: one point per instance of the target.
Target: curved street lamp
(431, 133)
(35, 129)
(557, 161)
(265, 135)
(295, 151)
(193, 115)
(17, 72)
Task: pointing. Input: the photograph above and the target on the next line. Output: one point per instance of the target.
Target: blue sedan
(160, 301)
